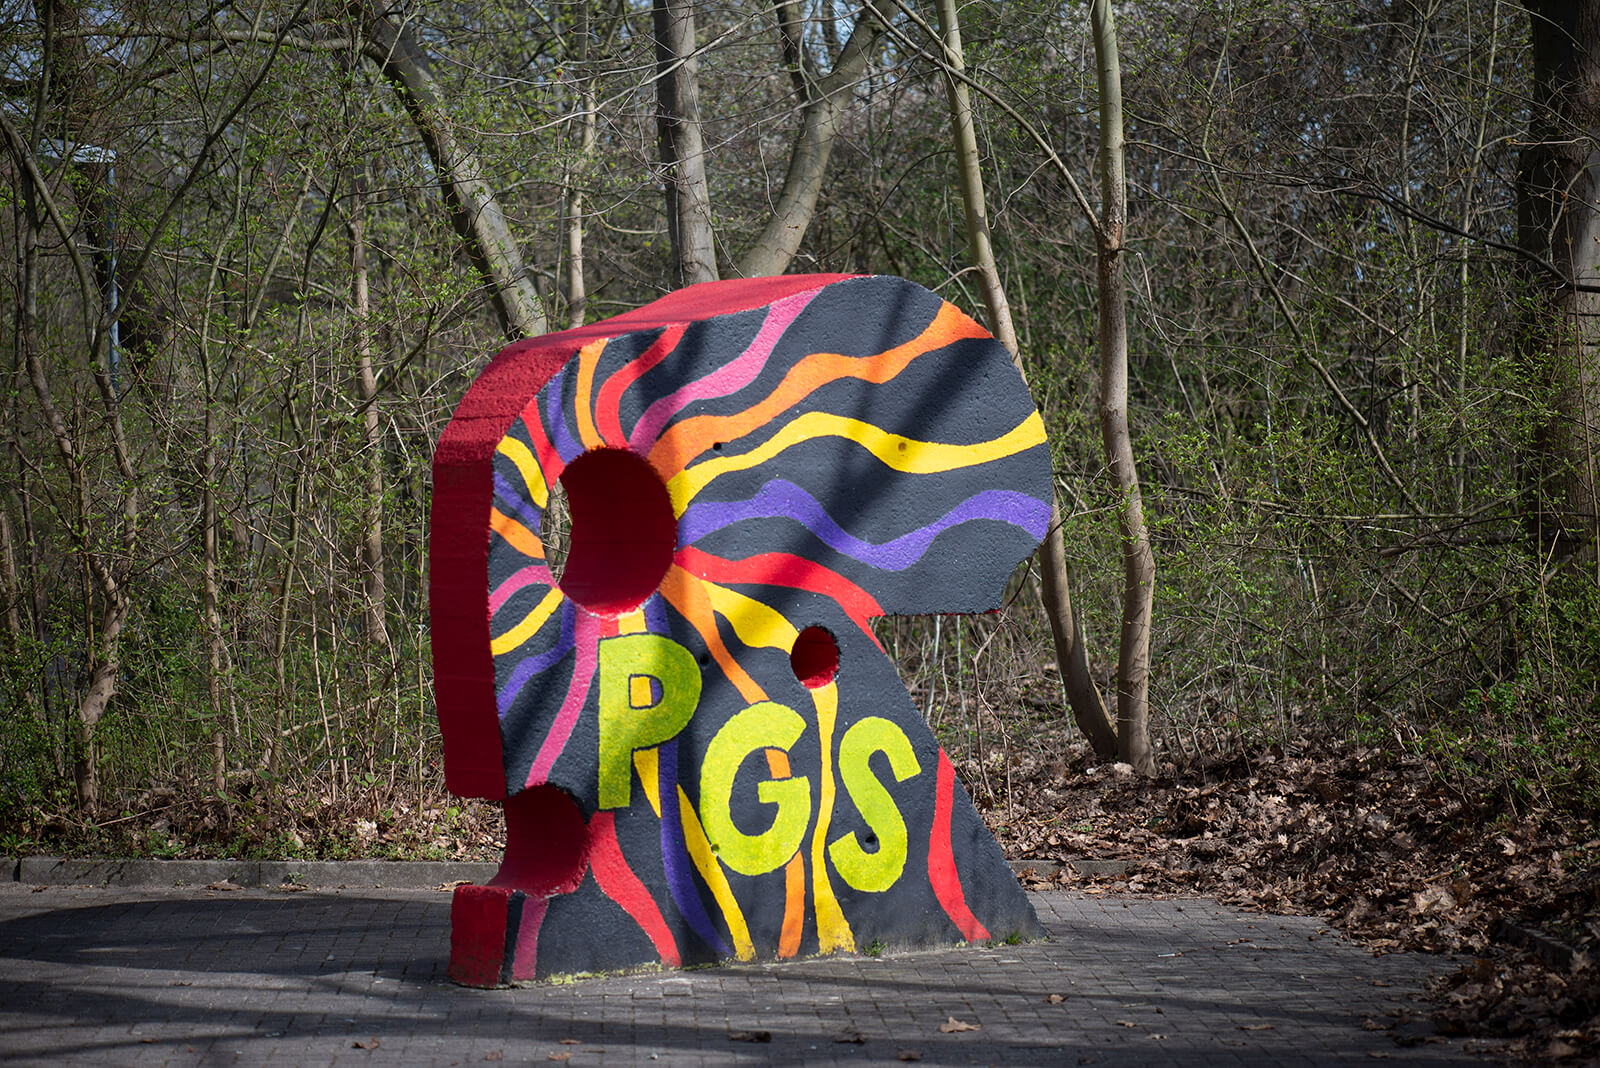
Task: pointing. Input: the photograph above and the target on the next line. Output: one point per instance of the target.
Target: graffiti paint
(702, 750)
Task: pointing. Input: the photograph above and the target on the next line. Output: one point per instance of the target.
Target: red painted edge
(478, 934)
(463, 487)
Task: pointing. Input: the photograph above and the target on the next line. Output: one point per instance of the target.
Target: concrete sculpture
(702, 750)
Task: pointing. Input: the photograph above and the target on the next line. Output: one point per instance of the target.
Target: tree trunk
(104, 658)
(1138, 564)
(821, 101)
(683, 161)
(474, 210)
(1558, 186)
(1072, 658)
(577, 286)
(371, 425)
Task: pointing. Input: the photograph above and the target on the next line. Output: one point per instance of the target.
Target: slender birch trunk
(371, 425)
(1138, 563)
(1071, 655)
(577, 174)
(683, 160)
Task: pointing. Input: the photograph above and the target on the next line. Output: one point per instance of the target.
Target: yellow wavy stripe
(532, 474)
(648, 761)
(529, 626)
(895, 451)
(833, 930)
(588, 359)
(516, 535)
(710, 869)
(756, 624)
(687, 594)
(688, 438)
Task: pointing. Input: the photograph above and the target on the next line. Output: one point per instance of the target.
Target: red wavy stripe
(610, 397)
(619, 883)
(942, 862)
(784, 569)
(550, 461)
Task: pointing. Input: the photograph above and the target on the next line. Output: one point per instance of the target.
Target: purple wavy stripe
(783, 499)
(655, 614)
(675, 855)
(526, 511)
(567, 446)
(533, 665)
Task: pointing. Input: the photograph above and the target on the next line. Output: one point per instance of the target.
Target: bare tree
(475, 210)
(682, 150)
(1072, 658)
(822, 97)
(1138, 563)
(1558, 223)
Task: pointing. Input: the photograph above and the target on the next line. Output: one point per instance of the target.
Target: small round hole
(815, 657)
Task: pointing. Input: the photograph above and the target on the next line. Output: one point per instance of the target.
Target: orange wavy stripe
(684, 592)
(518, 536)
(685, 440)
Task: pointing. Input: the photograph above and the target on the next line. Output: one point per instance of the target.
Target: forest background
(258, 251)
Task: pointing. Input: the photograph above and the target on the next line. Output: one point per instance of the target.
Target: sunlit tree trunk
(683, 160)
(822, 99)
(588, 125)
(474, 208)
(371, 424)
(1138, 563)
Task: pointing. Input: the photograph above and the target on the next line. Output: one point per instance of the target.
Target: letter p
(649, 687)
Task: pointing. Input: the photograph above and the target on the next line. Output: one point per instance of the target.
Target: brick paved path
(185, 976)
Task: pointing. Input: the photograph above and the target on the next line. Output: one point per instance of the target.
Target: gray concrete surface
(189, 976)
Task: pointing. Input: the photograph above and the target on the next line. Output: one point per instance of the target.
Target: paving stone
(185, 976)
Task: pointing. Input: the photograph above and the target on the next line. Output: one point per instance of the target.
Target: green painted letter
(649, 687)
(878, 870)
(762, 725)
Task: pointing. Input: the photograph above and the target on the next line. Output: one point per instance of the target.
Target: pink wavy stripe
(526, 577)
(525, 965)
(729, 378)
(586, 636)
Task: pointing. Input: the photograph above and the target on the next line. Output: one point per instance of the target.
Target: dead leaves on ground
(1398, 858)
(952, 1026)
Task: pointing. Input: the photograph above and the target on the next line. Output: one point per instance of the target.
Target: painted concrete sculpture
(702, 751)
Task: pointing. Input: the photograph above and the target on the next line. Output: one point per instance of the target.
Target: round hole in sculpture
(815, 657)
(547, 842)
(623, 531)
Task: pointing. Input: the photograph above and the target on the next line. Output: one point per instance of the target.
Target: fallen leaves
(1374, 839)
(952, 1025)
(371, 1043)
